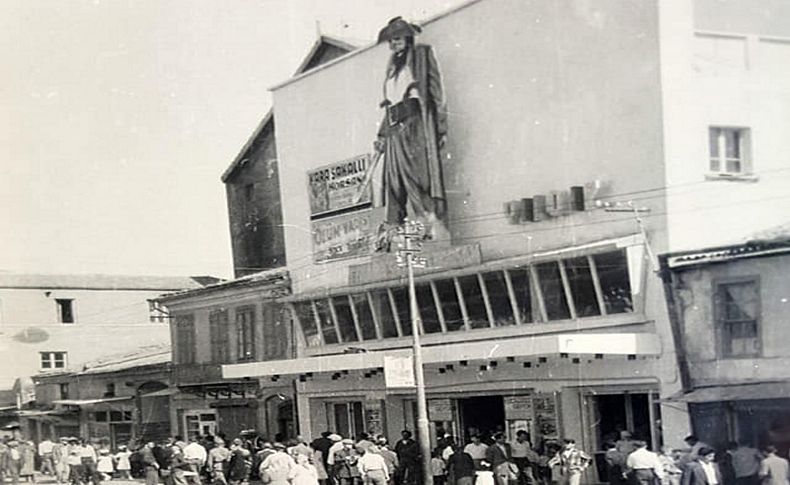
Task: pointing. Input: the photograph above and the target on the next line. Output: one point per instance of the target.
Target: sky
(117, 118)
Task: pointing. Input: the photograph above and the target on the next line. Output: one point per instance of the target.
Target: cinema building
(542, 310)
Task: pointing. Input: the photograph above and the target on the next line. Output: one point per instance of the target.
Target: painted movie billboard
(339, 186)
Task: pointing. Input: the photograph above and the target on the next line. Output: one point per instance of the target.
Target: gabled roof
(276, 280)
(150, 355)
(103, 282)
(308, 63)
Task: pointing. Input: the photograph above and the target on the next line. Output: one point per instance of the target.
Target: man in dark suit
(498, 456)
(702, 470)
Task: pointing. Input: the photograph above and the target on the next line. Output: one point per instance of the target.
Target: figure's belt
(398, 112)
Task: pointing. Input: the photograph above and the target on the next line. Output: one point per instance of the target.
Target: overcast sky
(117, 118)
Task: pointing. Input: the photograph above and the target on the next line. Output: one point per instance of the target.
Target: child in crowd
(104, 465)
(76, 471)
(484, 476)
(122, 463)
(438, 468)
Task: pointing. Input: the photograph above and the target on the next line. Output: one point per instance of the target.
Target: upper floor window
(569, 288)
(218, 333)
(157, 313)
(737, 307)
(65, 310)
(729, 151)
(53, 360)
(109, 390)
(64, 390)
(185, 339)
(245, 333)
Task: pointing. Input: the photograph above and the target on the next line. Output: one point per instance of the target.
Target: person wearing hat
(345, 468)
(337, 445)
(408, 452)
(412, 134)
(60, 454)
(122, 463)
(277, 468)
(217, 461)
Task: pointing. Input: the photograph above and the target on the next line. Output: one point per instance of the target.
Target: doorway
(484, 416)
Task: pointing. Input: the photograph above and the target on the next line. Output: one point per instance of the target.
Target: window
(451, 309)
(102, 416)
(612, 269)
(380, 301)
(304, 313)
(109, 390)
(348, 418)
(428, 313)
(550, 280)
(580, 280)
(157, 313)
(245, 333)
(729, 150)
(65, 310)
(218, 333)
(522, 290)
(737, 306)
(498, 298)
(345, 319)
(401, 297)
(53, 360)
(64, 390)
(473, 298)
(185, 339)
(327, 323)
(364, 316)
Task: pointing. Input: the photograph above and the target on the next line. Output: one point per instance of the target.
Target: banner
(343, 236)
(398, 371)
(337, 186)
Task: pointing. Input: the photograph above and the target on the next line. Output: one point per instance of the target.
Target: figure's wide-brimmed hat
(398, 27)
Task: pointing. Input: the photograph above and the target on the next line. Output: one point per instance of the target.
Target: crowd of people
(371, 460)
(629, 462)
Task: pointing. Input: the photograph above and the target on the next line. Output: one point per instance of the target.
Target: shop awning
(533, 346)
(89, 402)
(168, 391)
(739, 392)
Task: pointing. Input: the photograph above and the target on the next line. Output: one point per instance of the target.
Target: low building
(119, 399)
(730, 304)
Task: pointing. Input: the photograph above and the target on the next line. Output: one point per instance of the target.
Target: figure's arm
(436, 94)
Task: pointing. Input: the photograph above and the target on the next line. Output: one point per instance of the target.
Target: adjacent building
(55, 323)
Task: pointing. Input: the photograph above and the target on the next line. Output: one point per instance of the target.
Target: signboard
(440, 410)
(546, 416)
(518, 407)
(374, 422)
(398, 371)
(336, 186)
(343, 236)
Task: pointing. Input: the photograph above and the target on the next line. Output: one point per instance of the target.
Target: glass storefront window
(553, 292)
(401, 296)
(451, 309)
(345, 319)
(383, 309)
(582, 287)
(364, 316)
(304, 312)
(475, 305)
(522, 289)
(612, 270)
(428, 313)
(327, 325)
(499, 298)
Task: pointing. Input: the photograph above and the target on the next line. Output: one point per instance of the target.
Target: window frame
(51, 357)
(245, 333)
(219, 336)
(72, 310)
(744, 150)
(719, 322)
(186, 352)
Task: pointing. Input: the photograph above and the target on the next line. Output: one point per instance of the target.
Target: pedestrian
(60, 455)
(122, 462)
(524, 457)
(483, 474)
(476, 449)
(390, 458)
(643, 466)
(303, 472)
(195, 456)
(408, 452)
(217, 462)
(745, 463)
(695, 445)
(27, 464)
(461, 467)
(104, 465)
(373, 467)
(345, 469)
(571, 463)
(364, 442)
(498, 456)
(89, 459)
(14, 461)
(773, 469)
(672, 472)
(237, 464)
(702, 470)
(277, 468)
(625, 445)
(76, 470)
(615, 463)
(4, 459)
(438, 469)
(45, 454)
(150, 465)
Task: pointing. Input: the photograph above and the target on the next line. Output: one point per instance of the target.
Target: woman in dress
(27, 465)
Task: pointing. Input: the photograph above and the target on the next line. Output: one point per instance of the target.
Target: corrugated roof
(104, 281)
(141, 357)
(276, 278)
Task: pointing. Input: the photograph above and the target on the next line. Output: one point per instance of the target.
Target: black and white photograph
(395, 242)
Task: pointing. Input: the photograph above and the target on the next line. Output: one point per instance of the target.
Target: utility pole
(412, 233)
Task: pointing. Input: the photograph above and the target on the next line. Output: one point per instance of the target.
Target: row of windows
(585, 286)
(219, 334)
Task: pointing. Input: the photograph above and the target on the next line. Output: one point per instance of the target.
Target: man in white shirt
(45, 452)
(195, 455)
(643, 465)
(372, 466)
(337, 445)
(477, 450)
(702, 471)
